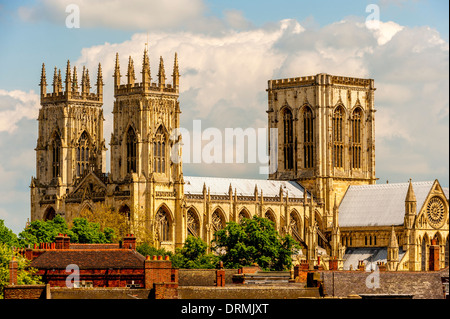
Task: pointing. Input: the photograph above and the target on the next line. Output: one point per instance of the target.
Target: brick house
(62, 264)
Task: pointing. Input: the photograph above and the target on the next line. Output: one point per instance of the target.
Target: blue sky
(218, 42)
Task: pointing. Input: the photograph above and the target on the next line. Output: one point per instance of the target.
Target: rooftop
(379, 205)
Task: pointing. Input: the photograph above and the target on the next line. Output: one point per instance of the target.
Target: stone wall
(26, 292)
(99, 293)
(203, 277)
(421, 285)
(293, 291)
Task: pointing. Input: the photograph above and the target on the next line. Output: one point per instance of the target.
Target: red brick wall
(157, 271)
(25, 292)
(98, 277)
(166, 290)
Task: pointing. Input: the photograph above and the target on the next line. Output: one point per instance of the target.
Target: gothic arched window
(218, 221)
(56, 157)
(308, 138)
(338, 138)
(288, 140)
(163, 225)
(294, 224)
(159, 152)
(82, 156)
(131, 151)
(193, 224)
(356, 138)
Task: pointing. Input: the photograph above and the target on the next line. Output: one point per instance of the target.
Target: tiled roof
(243, 187)
(89, 259)
(379, 205)
(94, 246)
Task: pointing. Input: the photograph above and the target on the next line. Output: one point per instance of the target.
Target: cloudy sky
(227, 51)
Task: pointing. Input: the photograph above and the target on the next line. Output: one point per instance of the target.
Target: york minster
(324, 193)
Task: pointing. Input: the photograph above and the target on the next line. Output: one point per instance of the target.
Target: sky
(227, 52)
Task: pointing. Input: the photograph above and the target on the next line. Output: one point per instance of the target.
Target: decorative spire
(117, 72)
(85, 82)
(410, 196)
(393, 240)
(176, 73)
(59, 81)
(130, 74)
(146, 78)
(161, 73)
(99, 81)
(55, 80)
(75, 88)
(43, 83)
(68, 80)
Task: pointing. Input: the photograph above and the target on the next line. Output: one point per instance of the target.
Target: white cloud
(130, 14)
(16, 105)
(224, 78)
(383, 31)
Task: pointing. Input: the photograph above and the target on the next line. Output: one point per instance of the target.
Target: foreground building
(323, 193)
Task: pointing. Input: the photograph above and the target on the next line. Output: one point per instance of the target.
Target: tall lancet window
(288, 141)
(131, 151)
(82, 154)
(356, 138)
(338, 138)
(308, 138)
(56, 157)
(159, 152)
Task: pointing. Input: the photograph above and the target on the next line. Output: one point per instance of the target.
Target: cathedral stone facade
(324, 192)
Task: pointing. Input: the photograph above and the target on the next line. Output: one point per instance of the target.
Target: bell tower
(146, 115)
(70, 139)
(326, 134)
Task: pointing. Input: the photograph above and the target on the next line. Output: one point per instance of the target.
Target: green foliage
(255, 241)
(7, 236)
(193, 255)
(82, 231)
(44, 231)
(145, 249)
(25, 274)
(88, 232)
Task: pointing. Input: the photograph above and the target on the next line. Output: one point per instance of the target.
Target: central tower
(326, 133)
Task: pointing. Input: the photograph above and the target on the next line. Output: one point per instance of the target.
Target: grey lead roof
(379, 205)
(243, 187)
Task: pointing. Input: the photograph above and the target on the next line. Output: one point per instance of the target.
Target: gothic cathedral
(324, 192)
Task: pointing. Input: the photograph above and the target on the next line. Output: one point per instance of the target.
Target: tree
(82, 231)
(25, 274)
(88, 232)
(145, 249)
(193, 255)
(108, 218)
(44, 231)
(255, 241)
(7, 236)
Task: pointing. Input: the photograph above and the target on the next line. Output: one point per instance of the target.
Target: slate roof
(89, 259)
(370, 256)
(244, 187)
(379, 205)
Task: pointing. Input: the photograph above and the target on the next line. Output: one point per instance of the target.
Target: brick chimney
(129, 242)
(66, 242)
(59, 241)
(13, 265)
